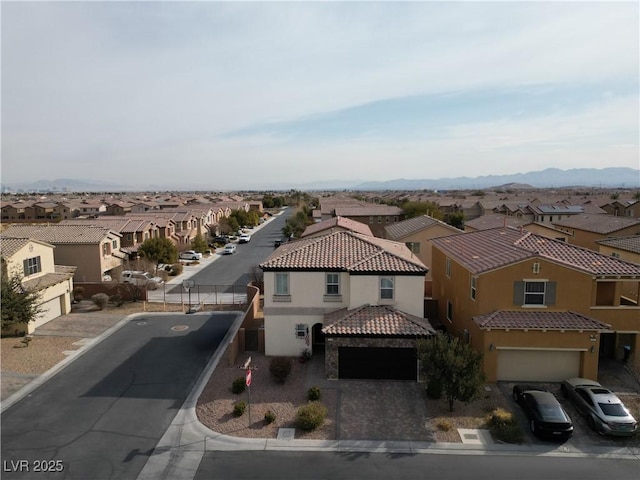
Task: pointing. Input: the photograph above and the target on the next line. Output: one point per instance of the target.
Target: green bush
(238, 385)
(239, 408)
(434, 389)
(314, 393)
(504, 426)
(311, 416)
(100, 299)
(269, 417)
(280, 368)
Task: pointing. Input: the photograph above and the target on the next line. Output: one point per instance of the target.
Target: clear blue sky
(253, 95)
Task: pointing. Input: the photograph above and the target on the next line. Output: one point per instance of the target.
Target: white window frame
(277, 286)
(330, 283)
(387, 288)
(33, 265)
(530, 295)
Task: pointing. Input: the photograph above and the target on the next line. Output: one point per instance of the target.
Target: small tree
(455, 364)
(199, 245)
(19, 305)
(159, 250)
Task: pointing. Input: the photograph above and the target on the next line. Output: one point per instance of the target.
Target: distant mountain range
(549, 178)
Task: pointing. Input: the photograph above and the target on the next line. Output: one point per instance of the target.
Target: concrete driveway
(102, 416)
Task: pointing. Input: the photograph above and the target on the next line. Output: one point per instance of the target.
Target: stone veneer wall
(332, 344)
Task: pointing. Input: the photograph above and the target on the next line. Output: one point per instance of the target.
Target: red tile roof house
(336, 224)
(358, 298)
(539, 309)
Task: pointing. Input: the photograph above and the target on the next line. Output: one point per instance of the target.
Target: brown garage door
(377, 363)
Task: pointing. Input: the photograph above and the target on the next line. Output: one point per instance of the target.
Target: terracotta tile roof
(486, 250)
(486, 222)
(375, 321)
(367, 210)
(61, 234)
(345, 251)
(118, 224)
(599, 223)
(412, 225)
(10, 245)
(628, 244)
(337, 222)
(518, 319)
(48, 279)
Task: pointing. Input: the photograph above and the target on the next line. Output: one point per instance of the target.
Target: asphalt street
(102, 416)
(260, 465)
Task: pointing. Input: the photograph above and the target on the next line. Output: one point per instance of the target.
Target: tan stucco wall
(31, 250)
(587, 239)
(623, 254)
(408, 293)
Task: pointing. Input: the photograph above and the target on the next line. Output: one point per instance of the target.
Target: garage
(50, 309)
(377, 363)
(537, 365)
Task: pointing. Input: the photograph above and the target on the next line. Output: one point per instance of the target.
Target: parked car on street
(224, 239)
(547, 418)
(142, 279)
(190, 255)
(229, 249)
(604, 411)
(244, 238)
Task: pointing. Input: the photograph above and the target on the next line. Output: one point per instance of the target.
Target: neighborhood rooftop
(486, 250)
(539, 321)
(412, 225)
(345, 251)
(602, 224)
(60, 233)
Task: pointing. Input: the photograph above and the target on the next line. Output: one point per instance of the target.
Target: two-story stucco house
(360, 298)
(94, 250)
(33, 261)
(539, 309)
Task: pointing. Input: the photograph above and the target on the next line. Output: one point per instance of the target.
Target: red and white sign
(248, 379)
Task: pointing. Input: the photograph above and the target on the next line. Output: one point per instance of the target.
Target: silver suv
(141, 279)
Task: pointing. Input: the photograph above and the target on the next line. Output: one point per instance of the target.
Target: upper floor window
(106, 248)
(449, 311)
(333, 284)
(114, 244)
(379, 219)
(534, 293)
(386, 288)
(32, 266)
(448, 267)
(473, 287)
(413, 246)
(282, 284)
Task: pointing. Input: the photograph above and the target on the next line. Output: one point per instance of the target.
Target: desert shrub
(280, 368)
(314, 393)
(176, 269)
(444, 425)
(269, 417)
(77, 293)
(311, 416)
(434, 389)
(238, 386)
(100, 299)
(504, 426)
(239, 408)
(116, 299)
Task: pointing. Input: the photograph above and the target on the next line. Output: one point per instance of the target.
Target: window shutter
(550, 294)
(518, 293)
(25, 266)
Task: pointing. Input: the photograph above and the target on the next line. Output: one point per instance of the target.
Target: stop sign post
(248, 378)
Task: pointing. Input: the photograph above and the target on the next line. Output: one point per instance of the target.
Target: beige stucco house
(625, 248)
(93, 250)
(33, 260)
(586, 230)
(539, 309)
(358, 297)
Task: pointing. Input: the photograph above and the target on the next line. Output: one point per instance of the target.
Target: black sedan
(547, 418)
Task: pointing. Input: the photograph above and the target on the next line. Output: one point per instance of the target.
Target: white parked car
(244, 238)
(142, 279)
(190, 255)
(229, 249)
